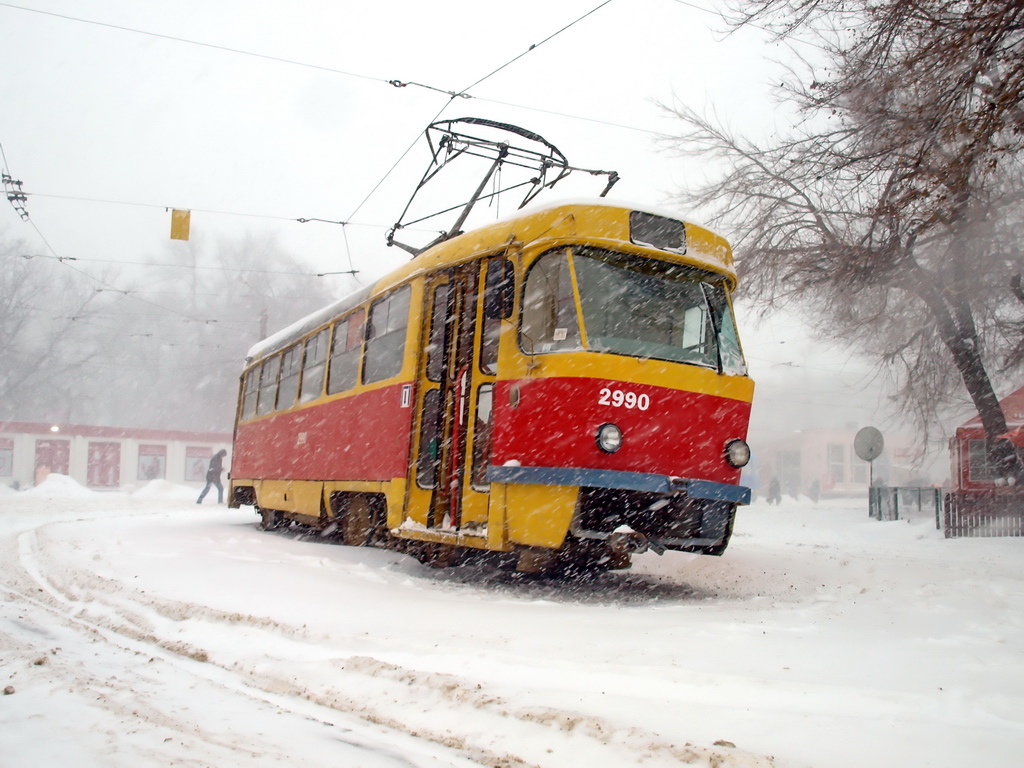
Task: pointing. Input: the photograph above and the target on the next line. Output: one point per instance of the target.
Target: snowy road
(141, 630)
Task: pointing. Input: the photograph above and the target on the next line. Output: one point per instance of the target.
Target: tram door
(449, 488)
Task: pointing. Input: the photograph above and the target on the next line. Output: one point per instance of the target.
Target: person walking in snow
(213, 476)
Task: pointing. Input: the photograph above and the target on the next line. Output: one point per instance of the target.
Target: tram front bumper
(618, 480)
(636, 511)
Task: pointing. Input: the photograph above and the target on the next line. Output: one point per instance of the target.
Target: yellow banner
(180, 222)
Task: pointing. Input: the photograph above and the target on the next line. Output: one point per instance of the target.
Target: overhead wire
(170, 265)
(64, 260)
(462, 93)
(229, 49)
(349, 73)
(536, 45)
(277, 217)
(452, 95)
(397, 83)
(177, 39)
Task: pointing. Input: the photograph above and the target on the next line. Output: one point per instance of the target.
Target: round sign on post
(868, 444)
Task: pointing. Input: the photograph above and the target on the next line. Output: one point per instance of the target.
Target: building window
(981, 464)
(153, 461)
(197, 461)
(52, 456)
(790, 476)
(103, 469)
(385, 339)
(837, 463)
(6, 457)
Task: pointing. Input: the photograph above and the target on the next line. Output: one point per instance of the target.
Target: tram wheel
(357, 527)
(433, 554)
(269, 519)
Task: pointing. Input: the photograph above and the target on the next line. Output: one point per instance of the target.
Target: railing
(984, 513)
(892, 503)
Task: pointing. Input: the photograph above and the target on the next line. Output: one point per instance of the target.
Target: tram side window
(385, 338)
(430, 440)
(289, 387)
(693, 329)
(729, 352)
(313, 363)
(268, 385)
(499, 285)
(250, 392)
(345, 349)
(482, 436)
(549, 321)
(436, 344)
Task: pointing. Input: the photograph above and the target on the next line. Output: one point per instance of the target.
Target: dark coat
(216, 467)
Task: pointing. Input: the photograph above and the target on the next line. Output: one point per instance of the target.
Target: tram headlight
(737, 453)
(609, 438)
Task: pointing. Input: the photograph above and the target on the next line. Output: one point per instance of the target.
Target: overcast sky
(255, 113)
(92, 111)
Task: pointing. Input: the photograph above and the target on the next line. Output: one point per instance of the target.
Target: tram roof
(602, 223)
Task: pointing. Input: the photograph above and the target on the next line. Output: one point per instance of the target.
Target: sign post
(868, 445)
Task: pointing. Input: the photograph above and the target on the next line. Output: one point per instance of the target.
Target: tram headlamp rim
(737, 453)
(609, 437)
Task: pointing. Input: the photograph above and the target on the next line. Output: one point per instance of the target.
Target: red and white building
(105, 458)
(984, 502)
(972, 465)
(822, 461)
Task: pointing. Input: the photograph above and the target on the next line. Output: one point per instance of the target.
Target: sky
(256, 114)
(94, 112)
(139, 630)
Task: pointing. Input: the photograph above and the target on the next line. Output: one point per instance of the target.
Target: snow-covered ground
(141, 630)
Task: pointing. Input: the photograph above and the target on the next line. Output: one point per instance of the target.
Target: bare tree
(164, 350)
(45, 339)
(223, 299)
(893, 211)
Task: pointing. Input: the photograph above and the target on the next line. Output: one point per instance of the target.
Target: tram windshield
(630, 306)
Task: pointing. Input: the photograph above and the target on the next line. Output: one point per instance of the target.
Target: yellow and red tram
(569, 381)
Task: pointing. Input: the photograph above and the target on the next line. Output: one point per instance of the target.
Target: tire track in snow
(426, 705)
(27, 584)
(134, 708)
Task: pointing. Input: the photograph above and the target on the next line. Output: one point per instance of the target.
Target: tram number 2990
(618, 398)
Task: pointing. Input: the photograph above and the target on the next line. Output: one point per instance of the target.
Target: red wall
(362, 437)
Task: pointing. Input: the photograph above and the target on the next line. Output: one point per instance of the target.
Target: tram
(564, 384)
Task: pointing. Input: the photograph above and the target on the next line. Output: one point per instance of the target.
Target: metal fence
(984, 513)
(894, 503)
